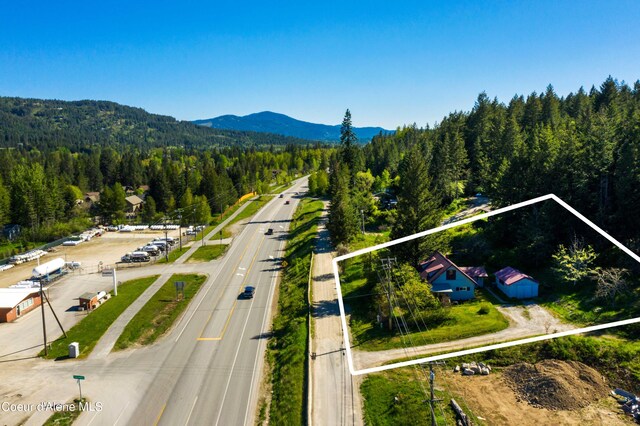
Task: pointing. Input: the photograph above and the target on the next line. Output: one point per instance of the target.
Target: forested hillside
(37, 123)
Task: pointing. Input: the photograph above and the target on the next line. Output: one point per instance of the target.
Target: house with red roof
(448, 281)
(516, 284)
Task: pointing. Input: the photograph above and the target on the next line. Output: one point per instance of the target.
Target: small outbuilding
(516, 284)
(15, 302)
(88, 301)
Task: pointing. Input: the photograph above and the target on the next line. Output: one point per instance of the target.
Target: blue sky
(391, 63)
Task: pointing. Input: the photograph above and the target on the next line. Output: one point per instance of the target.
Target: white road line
(220, 268)
(264, 318)
(121, 412)
(92, 419)
(191, 412)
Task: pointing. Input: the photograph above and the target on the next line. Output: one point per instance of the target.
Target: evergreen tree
(343, 219)
(5, 210)
(350, 153)
(418, 209)
(148, 212)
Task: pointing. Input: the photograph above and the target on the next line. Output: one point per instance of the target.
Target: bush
(485, 308)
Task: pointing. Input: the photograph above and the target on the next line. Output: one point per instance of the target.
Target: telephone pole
(433, 399)
(387, 266)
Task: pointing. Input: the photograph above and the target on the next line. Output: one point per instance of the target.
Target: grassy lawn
(67, 417)
(8, 248)
(173, 255)
(160, 312)
(466, 320)
(287, 350)
(578, 305)
(249, 211)
(88, 331)
(380, 390)
(208, 253)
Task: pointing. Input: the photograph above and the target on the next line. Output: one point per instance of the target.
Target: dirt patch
(556, 385)
(495, 402)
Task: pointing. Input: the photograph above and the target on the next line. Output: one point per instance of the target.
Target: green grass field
(410, 386)
(88, 331)
(466, 320)
(249, 211)
(173, 255)
(160, 312)
(67, 417)
(208, 253)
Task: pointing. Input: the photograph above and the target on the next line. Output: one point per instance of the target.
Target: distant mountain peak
(274, 122)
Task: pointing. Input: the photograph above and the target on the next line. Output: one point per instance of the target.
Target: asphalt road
(211, 373)
(205, 371)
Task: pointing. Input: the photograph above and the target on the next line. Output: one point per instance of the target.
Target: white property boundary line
(553, 197)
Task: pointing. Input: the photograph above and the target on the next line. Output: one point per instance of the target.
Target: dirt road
(334, 393)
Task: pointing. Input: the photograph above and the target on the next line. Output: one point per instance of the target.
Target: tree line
(584, 147)
(41, 189)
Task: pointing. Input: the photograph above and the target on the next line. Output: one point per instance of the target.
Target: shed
(88, 301)
(516, 284)
(15, 302)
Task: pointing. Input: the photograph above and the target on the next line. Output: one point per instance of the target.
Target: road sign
(107, 272)
(78, 377)
(180, 285)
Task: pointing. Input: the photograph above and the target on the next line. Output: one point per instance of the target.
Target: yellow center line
(228, 320)
(160, 415)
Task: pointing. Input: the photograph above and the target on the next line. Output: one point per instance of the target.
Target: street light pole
(362, 212)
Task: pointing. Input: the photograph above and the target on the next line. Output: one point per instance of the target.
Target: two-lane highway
(211, 374)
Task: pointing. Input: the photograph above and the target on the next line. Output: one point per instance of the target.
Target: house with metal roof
(448, 281)
(516, 284)
(15, 302)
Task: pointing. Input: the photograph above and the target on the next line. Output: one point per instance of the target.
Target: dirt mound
(556, 385)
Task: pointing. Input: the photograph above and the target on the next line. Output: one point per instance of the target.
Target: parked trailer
(50, 267)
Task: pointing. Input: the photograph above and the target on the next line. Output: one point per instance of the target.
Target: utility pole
(433, 399)
(387, 266)
(44, 326)
(179, 230)
(166, 246)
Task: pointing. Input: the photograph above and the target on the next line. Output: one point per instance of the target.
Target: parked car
(153, 250)
(248, 292)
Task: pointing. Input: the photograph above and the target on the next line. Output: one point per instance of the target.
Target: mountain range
(41, 123)
(271, 122)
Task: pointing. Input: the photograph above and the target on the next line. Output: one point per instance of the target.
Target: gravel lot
(107, 249)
